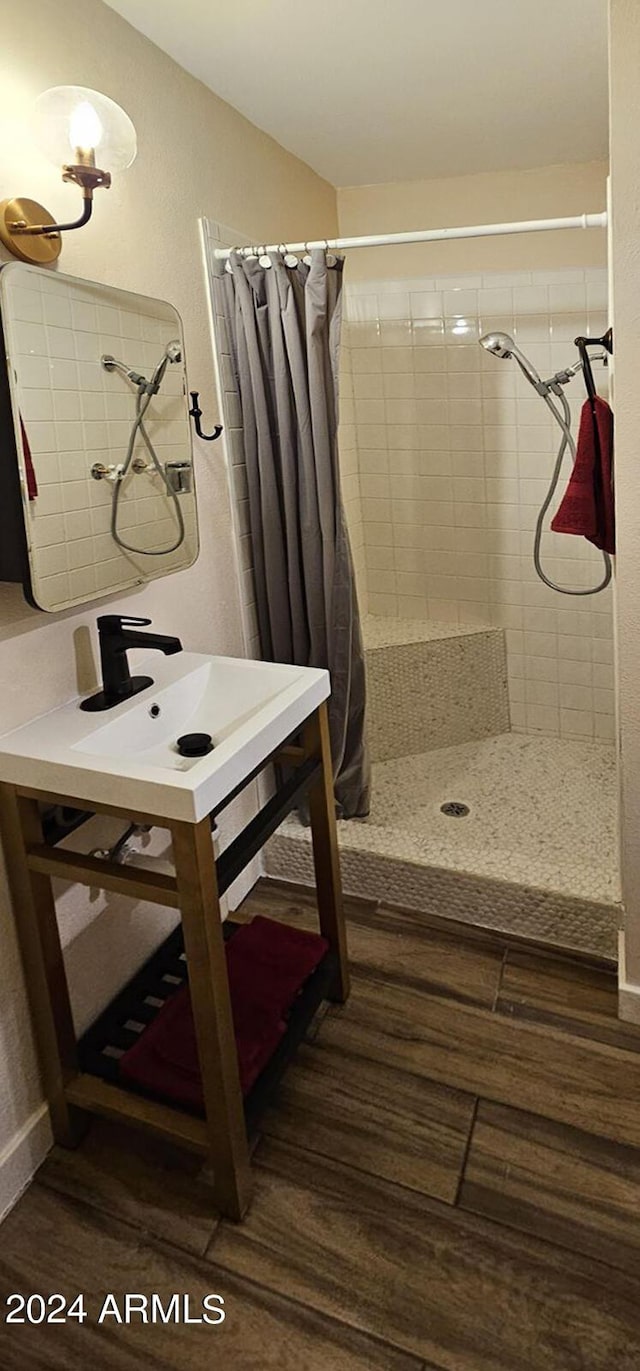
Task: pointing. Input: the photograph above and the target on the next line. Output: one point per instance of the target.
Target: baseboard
(22, 1156)
(628, 993)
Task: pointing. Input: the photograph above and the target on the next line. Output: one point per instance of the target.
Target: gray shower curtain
(284, 327)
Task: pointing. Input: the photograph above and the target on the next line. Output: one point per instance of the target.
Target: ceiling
(388, 90)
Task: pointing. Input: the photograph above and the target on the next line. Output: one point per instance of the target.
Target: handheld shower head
(502, 345)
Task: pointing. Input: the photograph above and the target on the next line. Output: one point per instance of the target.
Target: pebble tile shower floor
(536, 855)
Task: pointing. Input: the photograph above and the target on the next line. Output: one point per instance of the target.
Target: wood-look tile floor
(450, 1178)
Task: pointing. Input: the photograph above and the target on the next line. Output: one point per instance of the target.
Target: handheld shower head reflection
(172, 353)
(502, 345)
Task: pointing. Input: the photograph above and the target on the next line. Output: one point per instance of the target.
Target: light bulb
(74, 118)
(85, 128)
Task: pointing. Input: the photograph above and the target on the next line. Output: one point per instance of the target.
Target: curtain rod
(578, 221)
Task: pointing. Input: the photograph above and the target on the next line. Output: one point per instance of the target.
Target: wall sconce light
(72, 126)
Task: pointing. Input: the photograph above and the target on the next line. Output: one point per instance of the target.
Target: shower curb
(549, 916)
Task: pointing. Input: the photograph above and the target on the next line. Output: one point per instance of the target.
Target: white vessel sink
(127, 756)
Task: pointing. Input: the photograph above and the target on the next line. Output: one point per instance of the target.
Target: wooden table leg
(45, 976)
(209, 988)
(326, 858)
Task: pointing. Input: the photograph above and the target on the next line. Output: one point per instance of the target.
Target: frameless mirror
(97, 488)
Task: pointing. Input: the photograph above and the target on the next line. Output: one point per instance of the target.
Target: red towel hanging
(587, 506)
(32, 484)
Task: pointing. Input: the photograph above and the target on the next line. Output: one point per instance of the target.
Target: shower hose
(563, 418)
(143, 400)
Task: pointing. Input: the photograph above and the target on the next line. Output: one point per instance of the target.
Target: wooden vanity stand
(195, 890)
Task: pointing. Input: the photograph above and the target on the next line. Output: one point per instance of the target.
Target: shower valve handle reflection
(113, 472)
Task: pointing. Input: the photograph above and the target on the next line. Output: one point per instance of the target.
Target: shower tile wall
(349, 475)
(454, 454)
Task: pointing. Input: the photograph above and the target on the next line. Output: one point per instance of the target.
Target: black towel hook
(196, 413)
(583, 344)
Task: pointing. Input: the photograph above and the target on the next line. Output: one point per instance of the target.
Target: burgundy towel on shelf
(587, 506)
(267, 964)
(32, 484)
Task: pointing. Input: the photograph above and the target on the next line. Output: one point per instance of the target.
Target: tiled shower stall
(486, 689)
(446, 456)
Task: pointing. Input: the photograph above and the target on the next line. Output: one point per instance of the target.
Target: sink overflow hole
(454, 809)
(155, 711)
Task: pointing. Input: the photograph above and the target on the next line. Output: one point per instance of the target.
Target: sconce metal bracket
(16, 217)
(196, 414)
(29, 231)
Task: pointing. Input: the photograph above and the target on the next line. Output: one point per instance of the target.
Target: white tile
(381, 559)
(398, 359)
(61, 342)
(372, 435)
(529, 300)
(370, 411)
(398, 385)
(394, 305)
(432, 411)
(460, 302)
(576, 723)
(532, 328)
(30, 339)
(463, 385)
(426, 304)
(429, 359)
(57, 311)
(496, 300)
(396, 332)
(597, 296)
(469, 282)
(36, 405)
(463, 358)
(563, 276)
(401, 411)
(427, 333)
(383, 604)
(26, 305)
(366, 360)
(465, 412)
(463, 330)
(568, 298)
(541, 719)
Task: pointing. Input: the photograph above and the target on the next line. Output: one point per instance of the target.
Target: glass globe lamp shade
(72, 124)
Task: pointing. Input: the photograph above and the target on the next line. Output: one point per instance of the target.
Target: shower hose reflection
(145, 393)
(502, 345)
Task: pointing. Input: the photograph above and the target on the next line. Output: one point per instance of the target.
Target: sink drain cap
(195, 744)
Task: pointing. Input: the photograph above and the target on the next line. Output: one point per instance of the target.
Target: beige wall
(488, 198)
(196, 156)
(625, 273)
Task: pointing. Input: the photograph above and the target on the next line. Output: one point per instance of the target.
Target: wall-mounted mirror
(97, 490)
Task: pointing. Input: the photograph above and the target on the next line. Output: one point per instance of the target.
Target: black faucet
(117, 633)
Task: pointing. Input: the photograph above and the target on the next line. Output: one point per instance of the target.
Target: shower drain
(454, 809)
